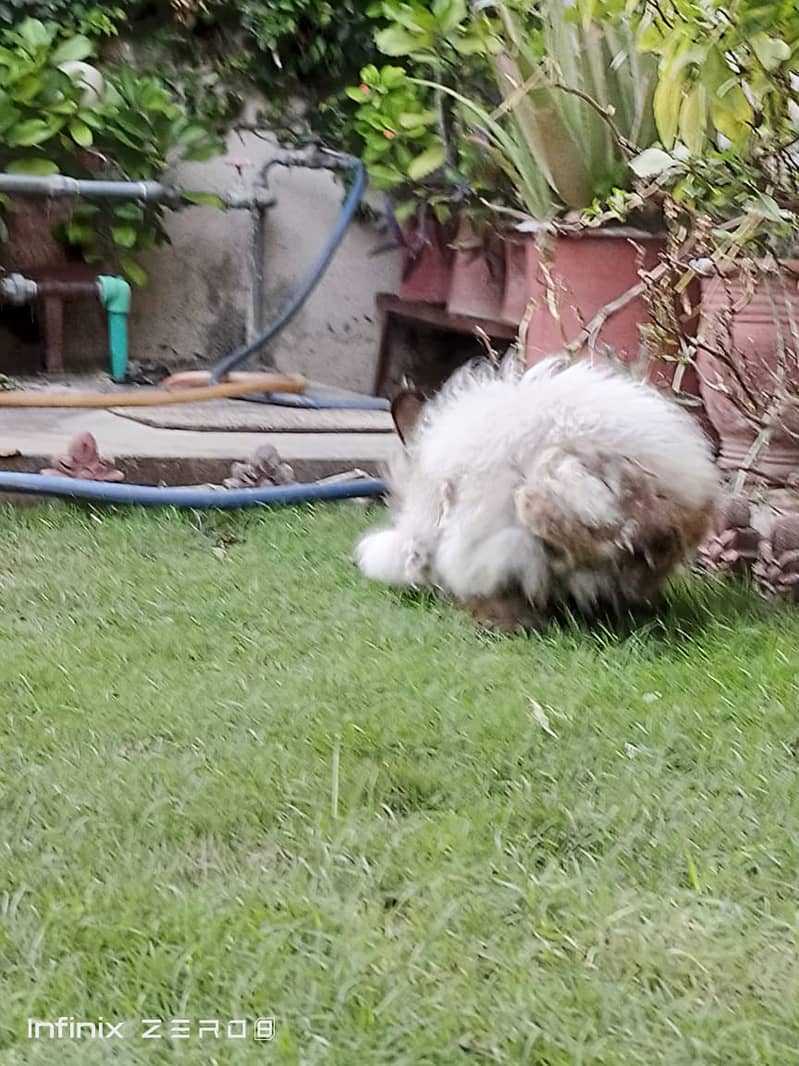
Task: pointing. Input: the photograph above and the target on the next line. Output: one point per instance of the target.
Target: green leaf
(26, 134)
(72, 50)
(650, 36)
(79, 232)
(376, 149)
(469, 45)
(413, 17)
(716, 72)
(771, 52)
(693, 119)
(24, 90)
(375, 121)
(585, 9)
(666, 103)
(403, 155)
(34, 34)
(155, 97)
(683, 58)
(133, 270)
(81, 134)
(204, 199)
(8, 115)
(124, 236)
(693, 875)
(731, 112)
(130, 212)
(652, 162)
(431, 159)
(405, 210)
(39, 167)
(422, 118)
(92, 119)
(391, 77)
(65, 108)
(768, 207)
(199, 153)
(451, 15)
(395, 41)
(191, 134)
(385, 177)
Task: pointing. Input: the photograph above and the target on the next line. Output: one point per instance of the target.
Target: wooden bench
(392, 309)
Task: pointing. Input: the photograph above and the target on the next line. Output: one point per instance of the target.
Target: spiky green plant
(577, 103)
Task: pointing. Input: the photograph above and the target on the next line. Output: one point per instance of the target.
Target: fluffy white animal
(566, 484)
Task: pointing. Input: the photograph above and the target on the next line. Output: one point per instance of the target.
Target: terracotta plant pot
(575, 277)
(477, 289)
(750, 321)
(581, 275)
(515, 296)
(426, 263)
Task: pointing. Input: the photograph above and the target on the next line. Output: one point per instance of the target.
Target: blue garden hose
(185, 496)
(318, 397)
(309, 283)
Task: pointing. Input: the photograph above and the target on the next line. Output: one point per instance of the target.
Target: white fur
(488, 436)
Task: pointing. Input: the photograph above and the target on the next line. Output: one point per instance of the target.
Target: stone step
(30, 438)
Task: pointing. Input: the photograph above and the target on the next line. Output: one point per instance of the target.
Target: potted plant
(401, 149)
(729, 127)
(576, 100)
(58, 114)
(557, 102)
(415, 142)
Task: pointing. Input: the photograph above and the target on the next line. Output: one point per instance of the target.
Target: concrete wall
(197, 305)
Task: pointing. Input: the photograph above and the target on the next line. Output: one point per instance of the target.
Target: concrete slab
(29, 438)
(237, 416)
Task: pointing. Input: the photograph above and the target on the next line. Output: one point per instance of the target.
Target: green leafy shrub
(214, 51)
(535, 106)
(727, 118)
(398, 126)
(50, 122)
(306, 39)
(282, 46)
(414, 140)
(94, 20)
(722, 67)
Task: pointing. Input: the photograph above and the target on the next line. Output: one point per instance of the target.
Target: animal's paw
(379, 555)
(385, 555)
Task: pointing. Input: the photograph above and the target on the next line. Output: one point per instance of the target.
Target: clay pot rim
(552, 229)
(787, 266)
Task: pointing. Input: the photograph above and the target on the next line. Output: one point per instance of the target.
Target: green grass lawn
(238, 781)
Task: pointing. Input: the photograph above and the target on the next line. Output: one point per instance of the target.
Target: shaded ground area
(239, 781)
